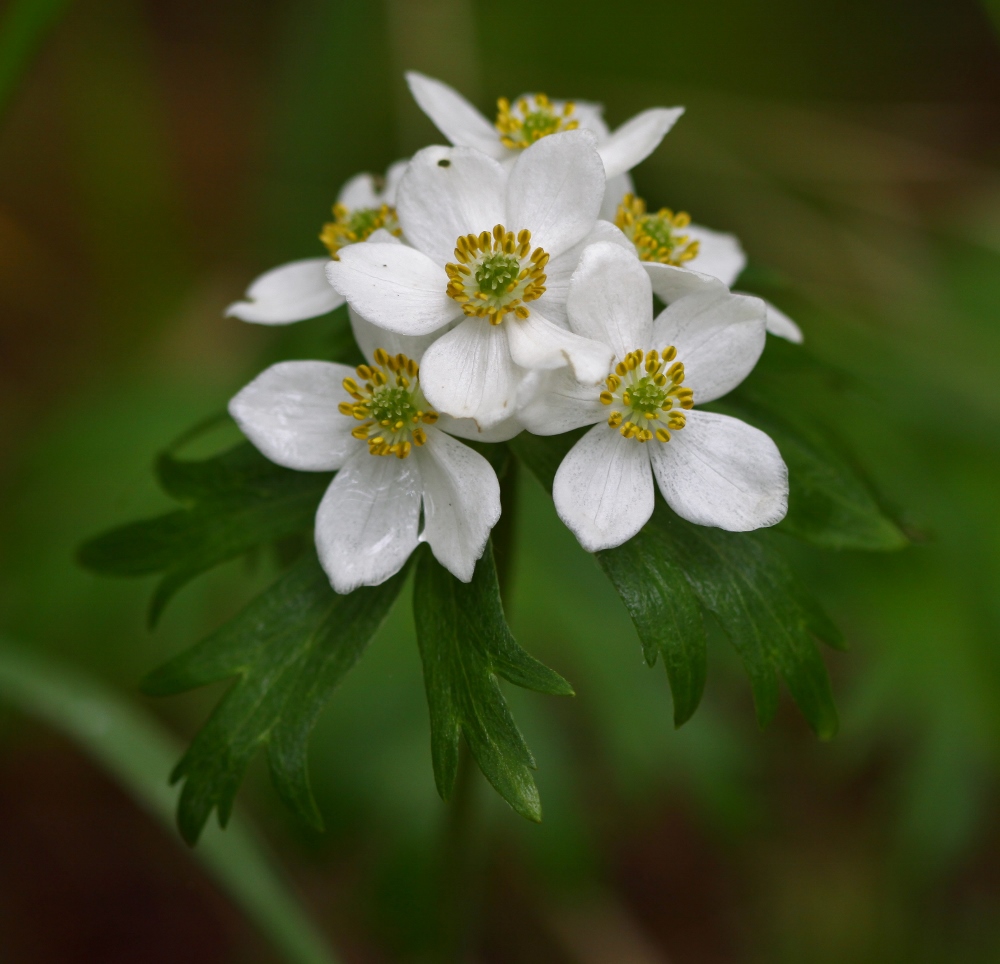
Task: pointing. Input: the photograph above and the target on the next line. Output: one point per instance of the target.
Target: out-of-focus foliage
(160, 155)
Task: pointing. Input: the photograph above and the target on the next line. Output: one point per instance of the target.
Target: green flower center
(657, 237)
(496, 273)
(647, 395)
(388, 404)
(351, 227)
(528, 121)
(394, 404)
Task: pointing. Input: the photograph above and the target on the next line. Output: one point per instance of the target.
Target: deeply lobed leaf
(465, 644)
(290, 647)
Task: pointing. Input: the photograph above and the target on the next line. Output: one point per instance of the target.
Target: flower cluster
(504, 284)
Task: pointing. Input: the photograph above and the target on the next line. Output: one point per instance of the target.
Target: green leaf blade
(289, 649)
(465, 645)
(665, 612)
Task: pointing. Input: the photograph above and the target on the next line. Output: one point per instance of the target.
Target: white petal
(292, 292)
(603, 490)
(447, 192)
(394, 287)
(359, 193)
(610, 298)
(614, 194)
(720, 255)
(718, 340)
(366, 525)
(719, 471)
(289, 412)
(469, 373)
(469, 429)
(778, 323)
(461, 502)
(671, 282)
(381, 236)
(555, 190)
(536, 343)
(369, 337)
(453, 115)
(559, 404)
(560, 269)
(589, 115)
(392, 178)
(636, 139)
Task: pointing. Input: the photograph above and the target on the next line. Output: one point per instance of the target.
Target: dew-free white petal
(447, 192)
(614, 193)
(467, 428)
(671, 282)
(720, 255)
(555, 190)
(461, 502)
(636, 139)
(603, 490)
(289, 412)
(560, 269)
(559, 404)
(469, 373)
(718, 340)
(291, 292)
(366, 525)
(393, 286)
(779, 324)
(719, 471)
(453, 115)
(369, 337)
(610, 299)
(360, 192)
(392, 178)
(536, 343)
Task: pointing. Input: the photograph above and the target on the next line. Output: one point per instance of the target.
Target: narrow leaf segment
(289, 649)
(465, 645)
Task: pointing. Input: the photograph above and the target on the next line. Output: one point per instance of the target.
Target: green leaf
(665, 612)
(290, 648)
(233, 502)
(738, 577)
(829, 502)
(137, 751)
(769, 617)
(465, 645)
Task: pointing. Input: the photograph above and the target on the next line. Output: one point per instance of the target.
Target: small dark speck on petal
(444, 162)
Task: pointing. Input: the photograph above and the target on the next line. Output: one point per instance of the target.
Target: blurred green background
(158, 155)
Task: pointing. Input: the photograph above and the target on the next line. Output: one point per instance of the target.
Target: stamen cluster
(350, 227)
(644, 392)
(496, 274)
(657, 237)
(530, 121)
(389, 405)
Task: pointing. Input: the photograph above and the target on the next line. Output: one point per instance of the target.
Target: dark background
(158, 155)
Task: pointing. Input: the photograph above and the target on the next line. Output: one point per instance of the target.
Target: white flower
(299, 289)
(494, 247)
(395, 457)
(711, 469)
(667, 242)
(533, 116)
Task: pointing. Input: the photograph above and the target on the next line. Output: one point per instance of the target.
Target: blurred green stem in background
(22, 30)
(137, 752)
